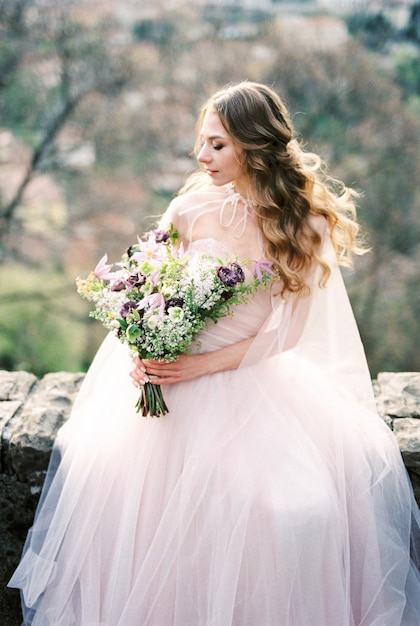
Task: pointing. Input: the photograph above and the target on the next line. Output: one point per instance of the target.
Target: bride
(271, 494)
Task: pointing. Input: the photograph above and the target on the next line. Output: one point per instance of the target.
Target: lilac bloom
(261, 267)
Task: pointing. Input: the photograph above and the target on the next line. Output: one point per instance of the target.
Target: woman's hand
(188, 366)
(160, 372)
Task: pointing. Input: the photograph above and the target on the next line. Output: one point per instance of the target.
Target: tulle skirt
(262, 499)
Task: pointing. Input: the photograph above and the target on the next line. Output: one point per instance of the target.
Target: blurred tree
(413, 28)
(346, 104)
(13, 31)
(355, 116)
(77, 63)
(374, 30)
(159, 31)
(407, 64)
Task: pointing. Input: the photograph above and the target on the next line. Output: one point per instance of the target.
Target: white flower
(168, 291)
(153, 321)
(175, 313)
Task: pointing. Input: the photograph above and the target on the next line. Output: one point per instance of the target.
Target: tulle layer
(272, 504)
(271, 495)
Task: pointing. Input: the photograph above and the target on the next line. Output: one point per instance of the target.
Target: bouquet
(157, 299)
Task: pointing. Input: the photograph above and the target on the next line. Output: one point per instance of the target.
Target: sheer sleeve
(320, 329)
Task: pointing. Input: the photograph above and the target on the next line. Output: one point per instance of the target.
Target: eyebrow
(213, 137)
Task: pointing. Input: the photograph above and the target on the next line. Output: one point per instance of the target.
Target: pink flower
(147, 250)
(102, 270)
(153, 302)
(263, 267)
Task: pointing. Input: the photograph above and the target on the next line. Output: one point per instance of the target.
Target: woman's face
(218, 153)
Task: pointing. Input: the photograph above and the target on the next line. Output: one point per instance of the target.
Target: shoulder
(185, 208)
(196, 197)
(196, 201)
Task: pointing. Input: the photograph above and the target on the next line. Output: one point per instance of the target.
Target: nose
(204, 156)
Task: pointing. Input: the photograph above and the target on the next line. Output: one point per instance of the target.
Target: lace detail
(216, 249)
(212, 247)
(234, 198)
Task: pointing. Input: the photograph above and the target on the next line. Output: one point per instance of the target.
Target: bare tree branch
(85, 67)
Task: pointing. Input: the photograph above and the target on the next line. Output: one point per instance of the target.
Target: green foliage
(413, 28)
(390, 316)
(41, 319)
(159, 31)
(355, 116)
(373, 30)
(357, 104)
(407, 65)
(22, 102)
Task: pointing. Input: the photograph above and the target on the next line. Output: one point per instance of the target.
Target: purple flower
(227, 276)
(238, 271)
(102, 270)
(263, 267)
(136, 280)
(226, 295)
(127, 308)
(147, 250)
(151, 303)
(161, 236)
(118, 285)
(174, 302)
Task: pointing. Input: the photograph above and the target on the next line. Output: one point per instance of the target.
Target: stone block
(398, 394)
(29, 435)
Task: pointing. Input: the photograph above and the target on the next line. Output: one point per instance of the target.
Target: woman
(271, 494)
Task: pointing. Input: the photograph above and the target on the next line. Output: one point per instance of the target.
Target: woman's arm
(189, 366)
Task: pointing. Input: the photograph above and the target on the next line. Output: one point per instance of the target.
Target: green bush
(44, 324)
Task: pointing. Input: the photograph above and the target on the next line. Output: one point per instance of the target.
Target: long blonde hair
(287, 183)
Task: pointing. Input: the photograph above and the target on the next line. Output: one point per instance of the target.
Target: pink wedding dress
(271, 495)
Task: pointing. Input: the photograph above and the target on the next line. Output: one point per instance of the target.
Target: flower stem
(151, 402)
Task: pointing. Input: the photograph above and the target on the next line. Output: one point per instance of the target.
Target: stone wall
(32, 410)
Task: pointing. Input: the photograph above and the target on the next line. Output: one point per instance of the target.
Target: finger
(139, 378)
(165, 380)
(139, 366)
(137, 361)
(161, 369)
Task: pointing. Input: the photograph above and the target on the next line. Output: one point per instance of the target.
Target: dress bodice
(245, 319)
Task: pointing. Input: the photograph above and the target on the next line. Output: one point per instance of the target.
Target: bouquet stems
(151, 401)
